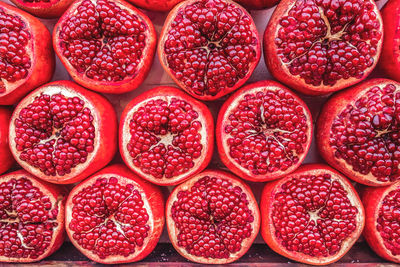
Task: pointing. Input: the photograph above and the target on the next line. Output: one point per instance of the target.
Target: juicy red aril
(267, 131)
(27, 220)
(103, 41)
(313, 215)
(165, 137)
(367, 134)
(212, 218)
(109, 218)
(388, 222)
(55, 133)
(324, 41)
(210, 46)
(14, 59)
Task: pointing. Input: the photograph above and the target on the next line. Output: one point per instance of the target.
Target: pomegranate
(264, 131)
(382, 226)
(258, 4)
(166, 136)
(390, 56)
(213, 218)
(31, 217)
(359, 132)
(209, 47)
(156, 5)
(114, 216)
(318, 46)
(107, 46)
(62, 132)
(26, 54)
(44, 8)
(6, 157)
(313, 215)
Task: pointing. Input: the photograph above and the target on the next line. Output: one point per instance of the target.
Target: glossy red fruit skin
(165, 91)
(187, 185)
(224, 155)
(390, 57)
(153, 195)
(107, 129)
(258, 4)
(372, 198)
(44, 10)
(172, 14)
(156, 5)
(330, 110)
(42, 57)
(282, 74)
(56, 191)
(6, 157)
(268, 230)
(118, 87)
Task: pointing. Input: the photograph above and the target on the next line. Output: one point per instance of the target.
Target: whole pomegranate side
(258, 4)
(6, 158)
(213, 218)
(209, 47)
(321, 46)
(31, 218)
(26, 54)
(382, 226)
(62, 132)
(115, 217)
(264, 131)
(44, 8)
(107, 46)
(358, 132)
(156, 5)
(166, 136)
(313, 215)
(390, 56)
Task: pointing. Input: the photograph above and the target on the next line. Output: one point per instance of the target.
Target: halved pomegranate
(382, 226)
(264, 131)
(31, 217)
(6, 158)
(166, 136)
(258, 4)
(44, 8)
(115, 217)
(26, 54)
(62, 132)
(358, 132)
(313, 215)
(156, 5)
(321, 46)
(209, 47)
(107, 46)
(213, 218)
(390, 56)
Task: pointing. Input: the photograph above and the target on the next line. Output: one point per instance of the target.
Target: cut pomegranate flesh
(209, 47)
(366, 134)
(55, 133)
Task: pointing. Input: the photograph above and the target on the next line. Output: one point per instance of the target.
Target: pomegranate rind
(57, 195)
(6, 157)
(41, 54)
(268, 229)
(390, 57)
(105, 123)
(163, 59)
(372, 199)
(207, 132)
(279, 70)
(47, 10)
(156, 5)
(111, 87)
(258, 4)
(253, 206)
(223, 147)
(332, 108)
(154, 202)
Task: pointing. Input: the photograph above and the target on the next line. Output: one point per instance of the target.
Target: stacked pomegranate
(115, 206)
